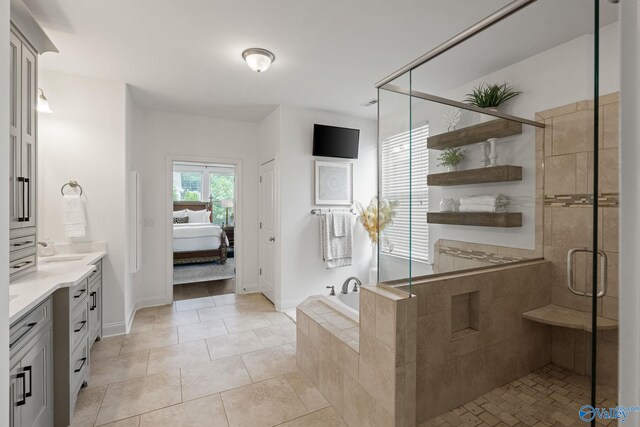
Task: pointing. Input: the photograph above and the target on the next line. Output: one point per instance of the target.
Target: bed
(200, 241)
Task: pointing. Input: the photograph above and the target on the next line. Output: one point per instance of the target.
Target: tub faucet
(345, 285)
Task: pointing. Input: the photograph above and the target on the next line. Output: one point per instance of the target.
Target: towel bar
(329, 210)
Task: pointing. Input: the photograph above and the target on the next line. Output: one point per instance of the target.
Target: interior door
(267, 229)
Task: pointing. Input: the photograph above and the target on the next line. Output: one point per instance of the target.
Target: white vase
(493, 154)
(373, 268)
(452, 168)
(484, 160)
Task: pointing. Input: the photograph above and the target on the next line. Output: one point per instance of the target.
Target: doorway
(203, 222)
(268, 232)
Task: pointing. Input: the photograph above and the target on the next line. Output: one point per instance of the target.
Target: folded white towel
(482, 208)
(341, 221)
(496, 200)
(336, 251)
(73, 214)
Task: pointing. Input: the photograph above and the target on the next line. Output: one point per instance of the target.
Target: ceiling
(184, 56)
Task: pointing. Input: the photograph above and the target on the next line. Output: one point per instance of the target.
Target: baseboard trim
(113, 329)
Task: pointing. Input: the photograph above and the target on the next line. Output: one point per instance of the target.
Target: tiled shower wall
(471, 337)
(565, 160)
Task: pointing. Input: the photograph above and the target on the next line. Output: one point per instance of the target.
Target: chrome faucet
(345, 285)
(43, 244)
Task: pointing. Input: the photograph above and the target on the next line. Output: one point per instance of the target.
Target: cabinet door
(29, 104)
(95, 312)
(37, 367)
(16, 396)
(15, 131)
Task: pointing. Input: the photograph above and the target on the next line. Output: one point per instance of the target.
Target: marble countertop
(65, 269)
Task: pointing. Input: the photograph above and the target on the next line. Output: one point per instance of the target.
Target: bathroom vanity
(56, 316)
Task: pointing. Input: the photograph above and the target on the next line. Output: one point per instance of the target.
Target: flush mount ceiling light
(43, 103)
(258, 59)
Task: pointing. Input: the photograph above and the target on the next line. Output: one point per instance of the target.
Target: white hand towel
(495, 200)
(73, 215)
(482, 208)
(336, 251)
(341, 222)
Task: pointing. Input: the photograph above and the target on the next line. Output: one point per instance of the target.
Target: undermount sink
(60, 258)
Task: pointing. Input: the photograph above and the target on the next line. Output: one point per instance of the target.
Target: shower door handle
(603, 273)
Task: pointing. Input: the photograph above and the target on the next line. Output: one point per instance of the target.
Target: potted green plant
(491, 96)
(450, 158)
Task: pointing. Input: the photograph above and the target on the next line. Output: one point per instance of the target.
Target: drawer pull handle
(94, 303)
(83, 360)
(21, 265)
(81, 327)
(17, 245)
(28, 393)
(29, 327)
(79, 294)
(20, 376)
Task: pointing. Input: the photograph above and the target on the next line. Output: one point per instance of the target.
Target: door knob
(272, 239)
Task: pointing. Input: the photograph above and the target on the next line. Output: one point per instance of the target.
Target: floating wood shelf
(567, 318)
(480, 219)
(476, 176)
(499, 128)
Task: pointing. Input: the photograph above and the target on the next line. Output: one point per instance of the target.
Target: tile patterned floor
(224, 360)
(550, 396)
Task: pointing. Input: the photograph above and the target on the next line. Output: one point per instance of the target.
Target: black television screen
(332, 141)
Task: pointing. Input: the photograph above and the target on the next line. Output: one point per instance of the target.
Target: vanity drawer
(96, 274)
(79, 324)
(22, 243)
(22, 330)
(78, 294)
(21, 265)
(79, 366)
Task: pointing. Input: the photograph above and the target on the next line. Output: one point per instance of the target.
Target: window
(405, 164)
(221, 187)
(187, 186)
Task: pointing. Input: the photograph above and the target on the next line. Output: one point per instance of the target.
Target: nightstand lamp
(227, 203)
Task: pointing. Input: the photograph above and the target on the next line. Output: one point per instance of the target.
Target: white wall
(630, 210)
(84, 140)
(4, 214)
(160, 134)
(302, 270)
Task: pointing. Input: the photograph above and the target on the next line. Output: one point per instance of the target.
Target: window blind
(405, 164)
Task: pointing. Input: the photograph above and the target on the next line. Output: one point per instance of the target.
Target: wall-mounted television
(332, 141)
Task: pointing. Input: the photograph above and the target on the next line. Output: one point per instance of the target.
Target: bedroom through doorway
(204, 260)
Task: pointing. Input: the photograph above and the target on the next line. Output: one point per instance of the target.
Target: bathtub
(347, 304)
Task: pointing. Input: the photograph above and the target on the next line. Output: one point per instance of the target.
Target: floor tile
(158, 310)
(129, 422)
(176, 319)
(202, 330)
(276, 335)
(87, 406)
(206, 412)
(246, 322)
(306, 391)
(118, 368)
(178, 356)
(106, 347)
(216, 313)
(142, 323)
(225, 299)
(269, 363)
(151, 339)
(271, 402)
(194, 304)
(323, 418)
(233, 344)
(137, 396)
(277, 318)
(213, 377)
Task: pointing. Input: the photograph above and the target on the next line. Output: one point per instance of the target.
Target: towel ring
(72, 184)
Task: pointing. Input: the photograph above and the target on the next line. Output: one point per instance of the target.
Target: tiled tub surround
(367, 372)
(471, 337)
(565, 177)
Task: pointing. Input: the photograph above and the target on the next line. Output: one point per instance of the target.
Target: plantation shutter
(404, 180)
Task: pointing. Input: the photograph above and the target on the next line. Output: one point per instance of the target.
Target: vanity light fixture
(258, 59)
(43, 103)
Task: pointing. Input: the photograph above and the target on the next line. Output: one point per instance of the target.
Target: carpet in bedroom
(205, 272)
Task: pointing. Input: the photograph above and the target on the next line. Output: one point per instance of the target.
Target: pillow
(178, 220)
(198, 217)
(180, 214)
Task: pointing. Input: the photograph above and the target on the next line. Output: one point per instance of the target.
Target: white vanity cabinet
(31, 369)
(23, 63)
